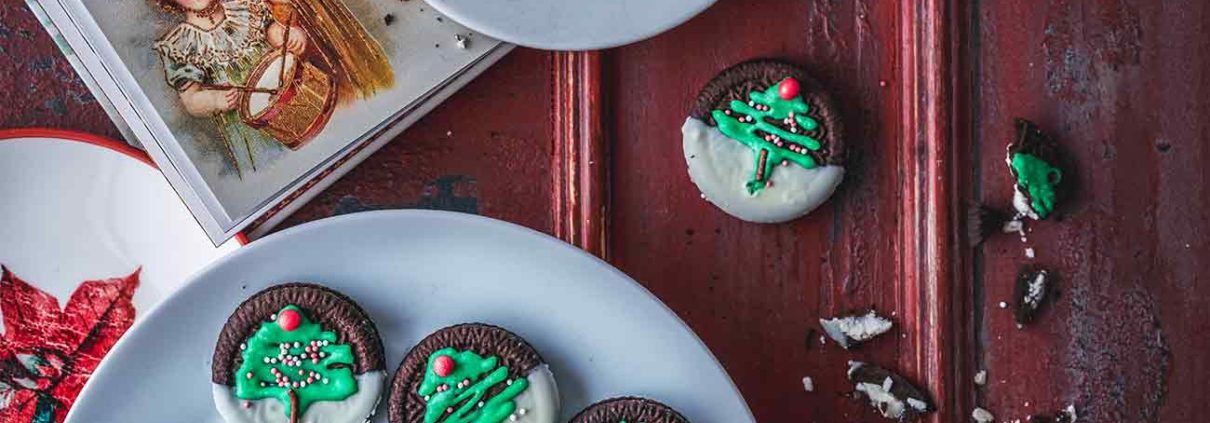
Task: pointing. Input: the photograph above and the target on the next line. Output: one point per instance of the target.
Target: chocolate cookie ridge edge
(629, 409)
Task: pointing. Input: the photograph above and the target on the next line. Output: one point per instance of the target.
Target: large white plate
(414, 272)
(571, 24)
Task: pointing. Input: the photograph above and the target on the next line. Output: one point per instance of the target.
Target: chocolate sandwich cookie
(764, 142)
(298, 353)
(473, 373)
(629, 410)
(1035, 163)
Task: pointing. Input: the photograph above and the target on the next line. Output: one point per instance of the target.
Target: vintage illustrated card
(247, 105)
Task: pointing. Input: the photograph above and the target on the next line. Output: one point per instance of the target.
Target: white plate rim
(494, 31)
(100, 372)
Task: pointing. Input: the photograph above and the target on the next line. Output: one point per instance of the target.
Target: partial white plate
(571, 24)
(76, 206)
(414, 272)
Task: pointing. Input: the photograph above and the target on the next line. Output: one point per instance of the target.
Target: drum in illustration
(293, 102)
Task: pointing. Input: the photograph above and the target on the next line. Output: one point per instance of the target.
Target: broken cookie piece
(1030, 294)
(892, 395)
(1033, 160)
(848, 331)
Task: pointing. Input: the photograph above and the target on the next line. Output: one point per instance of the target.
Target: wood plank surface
(1123, 86)
(586, 147)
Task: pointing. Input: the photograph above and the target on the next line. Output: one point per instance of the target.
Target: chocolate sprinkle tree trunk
(772, 124)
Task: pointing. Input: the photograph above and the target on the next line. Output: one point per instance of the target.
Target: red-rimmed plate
(91, 237)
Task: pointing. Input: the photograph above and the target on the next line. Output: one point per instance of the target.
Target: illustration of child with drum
(268, 72)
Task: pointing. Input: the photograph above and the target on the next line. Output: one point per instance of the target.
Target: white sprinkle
(1027, 403)
(981, 377)
(1029, 252)
(822, 339)
(266, 360)
(296, 345)
(521, 411)
(243, 347)
(249, 375)
(273, 316)
(509, 382)
(703, 196)
(982, 416)
(512, 417)
(480, 404)
(1003, 304)
(808, 384)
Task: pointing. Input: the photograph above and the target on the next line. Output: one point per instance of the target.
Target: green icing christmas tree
(456, 386)
(294, 360)
(773, 125)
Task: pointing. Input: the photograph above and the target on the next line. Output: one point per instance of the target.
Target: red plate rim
(94, 139)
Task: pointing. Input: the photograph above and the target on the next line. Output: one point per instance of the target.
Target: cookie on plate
(298, 353)
(473, 373)
(764, 142)
(629, 410)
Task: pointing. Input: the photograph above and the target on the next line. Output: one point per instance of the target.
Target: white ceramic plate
(415, 272)
(571, 24)
(77, 207)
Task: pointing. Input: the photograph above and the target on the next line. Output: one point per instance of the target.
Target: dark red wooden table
(586, 147)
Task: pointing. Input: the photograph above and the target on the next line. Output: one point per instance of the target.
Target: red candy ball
(289, 320)
(443, 365)
(788, 89)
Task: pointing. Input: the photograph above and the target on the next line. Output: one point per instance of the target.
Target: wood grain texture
(578, 163)
(1122, 86)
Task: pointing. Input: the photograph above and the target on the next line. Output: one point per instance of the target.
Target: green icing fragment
(274, 357)
(1040, 179)
(795, 147)
(465, 388)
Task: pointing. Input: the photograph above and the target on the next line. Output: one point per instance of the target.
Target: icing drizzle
(461, 395)
(1039, 178)
(293, 359)
(773, 143)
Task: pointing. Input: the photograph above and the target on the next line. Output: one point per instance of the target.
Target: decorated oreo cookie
(1033, 160)
(629, 410)
(764, 142)
(473, 373)
(298, 353)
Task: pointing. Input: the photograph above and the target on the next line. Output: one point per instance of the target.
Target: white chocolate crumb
(808, 384)
(982, 416)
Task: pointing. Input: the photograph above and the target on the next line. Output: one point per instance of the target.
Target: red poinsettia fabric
(47, 353)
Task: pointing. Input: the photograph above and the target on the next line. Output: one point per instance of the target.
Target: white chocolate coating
(540, 400)
(358, 408)
(721, 167)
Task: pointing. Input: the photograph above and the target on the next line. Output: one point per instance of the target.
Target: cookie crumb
(1003, 304)
(981, 377)
(458, 38)
(982, 416)
(388, 19)
(848, 331)
(1029, 252)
